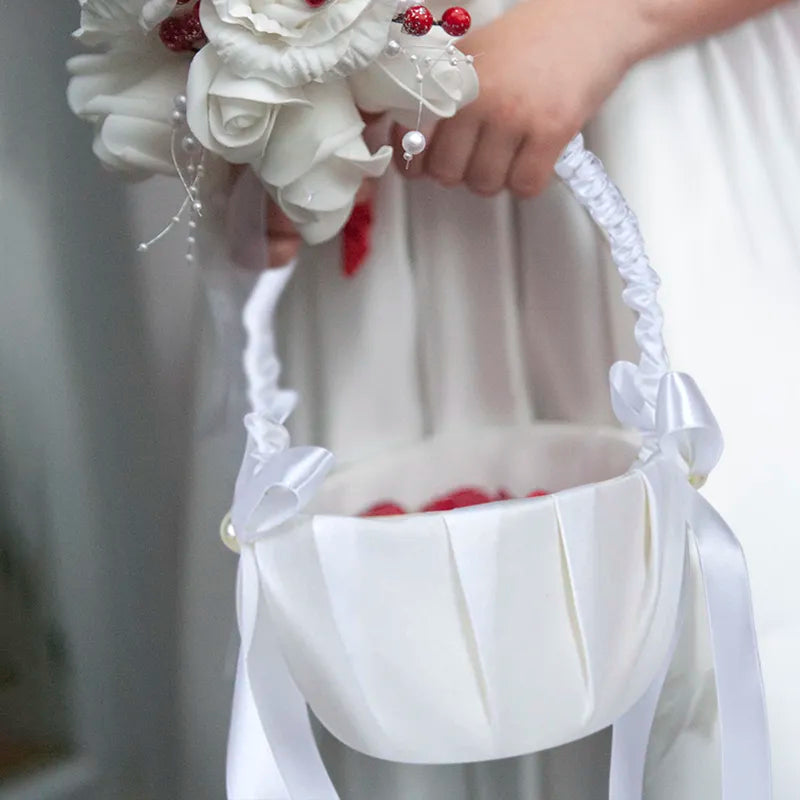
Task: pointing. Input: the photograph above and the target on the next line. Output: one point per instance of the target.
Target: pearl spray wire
(417, 21)
(414, 141)
(190, 175)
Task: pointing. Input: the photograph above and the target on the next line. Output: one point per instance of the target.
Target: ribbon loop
(681, 423)
(275, 480)
(686, 426)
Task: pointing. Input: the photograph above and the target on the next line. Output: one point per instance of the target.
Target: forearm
(668, 23)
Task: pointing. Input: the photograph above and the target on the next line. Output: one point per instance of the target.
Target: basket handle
(585, 176)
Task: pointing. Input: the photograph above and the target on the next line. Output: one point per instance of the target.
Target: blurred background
(97, 553)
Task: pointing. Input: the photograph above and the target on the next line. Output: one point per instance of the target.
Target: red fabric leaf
(357, 239)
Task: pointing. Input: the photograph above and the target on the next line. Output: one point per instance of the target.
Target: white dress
(473, 312)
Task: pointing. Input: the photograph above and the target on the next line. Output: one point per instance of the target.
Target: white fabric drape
(474, 312)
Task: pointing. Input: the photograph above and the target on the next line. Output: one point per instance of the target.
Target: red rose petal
(464, 498)
(384, 509)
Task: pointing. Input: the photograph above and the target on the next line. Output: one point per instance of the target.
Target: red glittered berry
(456, 21)
(183, 33)
(417, 21)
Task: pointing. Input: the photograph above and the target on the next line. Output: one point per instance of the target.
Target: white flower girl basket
(502, 629)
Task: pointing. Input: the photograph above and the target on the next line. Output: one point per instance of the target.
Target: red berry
(183, 33)
(456, 21)
(538, 493)
(417, 21)
(384, 509)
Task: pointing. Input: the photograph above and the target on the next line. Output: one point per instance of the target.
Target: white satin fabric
(474, 312)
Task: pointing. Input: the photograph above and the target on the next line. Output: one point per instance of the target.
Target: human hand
(544, 67)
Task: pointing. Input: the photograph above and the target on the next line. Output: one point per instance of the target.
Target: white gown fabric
(473, 312)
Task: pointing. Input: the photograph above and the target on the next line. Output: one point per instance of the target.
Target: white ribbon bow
(680, 423)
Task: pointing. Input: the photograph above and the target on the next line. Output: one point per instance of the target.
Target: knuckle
(484, 185)
(282, 251)
(527, 183)
(446, 176)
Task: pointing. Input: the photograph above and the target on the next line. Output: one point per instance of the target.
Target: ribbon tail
(744, 732)
(272, 753)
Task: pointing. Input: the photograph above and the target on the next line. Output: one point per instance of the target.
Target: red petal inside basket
(384, 509)
(459, 498)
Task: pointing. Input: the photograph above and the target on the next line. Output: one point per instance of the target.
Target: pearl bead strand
(188, 158)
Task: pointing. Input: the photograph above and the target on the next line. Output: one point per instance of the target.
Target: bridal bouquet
(276, 85)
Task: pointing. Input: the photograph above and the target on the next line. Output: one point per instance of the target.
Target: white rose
(291, 43)
(317, 159)
(128, 96)
(390, 83)
(109, 21)
(233, 116)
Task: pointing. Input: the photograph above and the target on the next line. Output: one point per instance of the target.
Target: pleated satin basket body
(496, 630)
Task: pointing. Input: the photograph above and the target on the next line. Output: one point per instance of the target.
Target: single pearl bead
(176, 219)
(190, 240)
(190, 144)
(197, 206)
(192, 224)
(470, 59)
(450, 49)
(189, 258)
(392, 48)
(180, 102)
(420, 77)
(177, 117)
(414, 143)
(427, 61)
(412, 58)
(142, 248)
(454, 61)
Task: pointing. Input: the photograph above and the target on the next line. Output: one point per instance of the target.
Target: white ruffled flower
(290, 43)
(128, 94)
(233, 116)
(120, 21)
(390, 84)
(317, 159)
